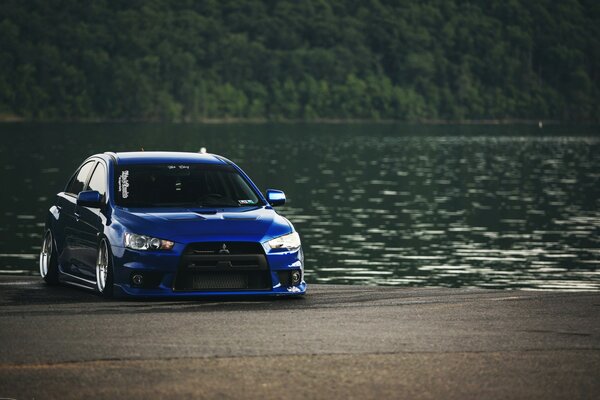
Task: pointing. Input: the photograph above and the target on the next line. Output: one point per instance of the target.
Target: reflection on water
(375, 204)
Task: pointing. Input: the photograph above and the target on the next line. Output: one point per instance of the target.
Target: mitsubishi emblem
(224, 249)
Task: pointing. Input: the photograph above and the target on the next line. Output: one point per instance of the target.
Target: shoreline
(9, 118)
(33, 275)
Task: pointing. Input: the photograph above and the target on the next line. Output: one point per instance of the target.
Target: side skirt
(77, 281)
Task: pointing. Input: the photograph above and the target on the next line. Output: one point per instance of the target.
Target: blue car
(154, 224)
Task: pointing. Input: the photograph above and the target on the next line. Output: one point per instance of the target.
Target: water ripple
(373, 205)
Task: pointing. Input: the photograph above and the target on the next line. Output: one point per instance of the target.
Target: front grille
(220, 280)
(205, 248)
(214, 266)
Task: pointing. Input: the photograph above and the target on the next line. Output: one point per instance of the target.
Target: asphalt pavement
(338, 342)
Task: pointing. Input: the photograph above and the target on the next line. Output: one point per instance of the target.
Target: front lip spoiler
(127, 291)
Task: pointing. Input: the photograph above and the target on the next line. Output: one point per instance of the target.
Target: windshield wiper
(221, 202)
(217, 205)
(139, 204)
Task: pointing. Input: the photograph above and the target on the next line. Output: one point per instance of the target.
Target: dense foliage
(188, 60)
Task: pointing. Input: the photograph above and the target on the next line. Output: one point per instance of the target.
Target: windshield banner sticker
(178, 166)
(124, 184)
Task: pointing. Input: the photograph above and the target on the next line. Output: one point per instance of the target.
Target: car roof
(164, 157)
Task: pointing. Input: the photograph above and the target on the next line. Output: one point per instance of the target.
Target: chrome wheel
(46, 254)
(102, 267)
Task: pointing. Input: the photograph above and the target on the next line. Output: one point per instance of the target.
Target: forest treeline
(188, 60)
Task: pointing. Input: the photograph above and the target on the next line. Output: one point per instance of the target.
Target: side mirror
(275, 197)
(90, 198)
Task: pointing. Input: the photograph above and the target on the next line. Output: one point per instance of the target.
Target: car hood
(187, 226)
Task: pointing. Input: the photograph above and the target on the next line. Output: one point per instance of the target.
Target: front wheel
(104, 276)
(48, 262)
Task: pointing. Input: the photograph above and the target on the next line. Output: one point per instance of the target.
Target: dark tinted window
(77, 184)
(187, 185)
(98, 180)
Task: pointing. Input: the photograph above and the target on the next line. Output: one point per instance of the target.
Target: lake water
(387, 204)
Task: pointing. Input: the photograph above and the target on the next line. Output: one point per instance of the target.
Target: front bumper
(162, 268)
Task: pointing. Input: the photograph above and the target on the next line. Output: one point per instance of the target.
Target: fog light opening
(296, 276)
(137, 279)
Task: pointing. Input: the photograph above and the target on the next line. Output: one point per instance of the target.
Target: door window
(78, 182)
(98, 180)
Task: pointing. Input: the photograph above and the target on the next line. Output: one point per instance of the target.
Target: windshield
(182, 185)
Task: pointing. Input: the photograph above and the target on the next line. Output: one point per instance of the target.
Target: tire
(104, 270)
(48, 260)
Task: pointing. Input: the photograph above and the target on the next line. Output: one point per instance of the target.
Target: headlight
(290, 242)
(141, 242)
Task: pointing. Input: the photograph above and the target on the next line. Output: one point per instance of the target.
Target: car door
(90, 223)
(70, 258)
